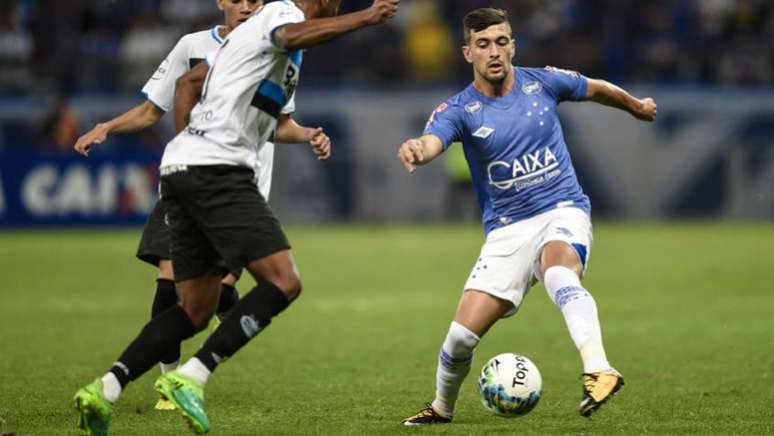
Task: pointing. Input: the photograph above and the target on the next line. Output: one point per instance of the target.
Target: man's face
(238, 11)
(491, 52)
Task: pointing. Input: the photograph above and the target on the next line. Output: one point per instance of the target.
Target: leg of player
(561, 271)
(198, 298)
(476, 314)
(279, 285)
(166, 297)
(229, 296)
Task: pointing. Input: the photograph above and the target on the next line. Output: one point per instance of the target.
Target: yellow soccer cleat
(598, 387)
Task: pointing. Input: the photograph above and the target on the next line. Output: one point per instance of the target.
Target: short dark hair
(482, 18)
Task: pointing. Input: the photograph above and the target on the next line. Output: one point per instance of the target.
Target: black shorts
(216, 213)
(154, 243)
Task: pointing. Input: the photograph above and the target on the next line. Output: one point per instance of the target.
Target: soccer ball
(509, 385)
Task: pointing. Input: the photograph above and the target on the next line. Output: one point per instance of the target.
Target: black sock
(166, 330)
(252, 314)
(229, 297)
(166, 297)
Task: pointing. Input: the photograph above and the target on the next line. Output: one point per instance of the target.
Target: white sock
(580, 314)
(111, 388)
(195, 369)
(168, 367)
(453, 365)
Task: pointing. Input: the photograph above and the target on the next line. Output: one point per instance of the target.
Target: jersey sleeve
(565, 85)
(446, 122)
(290, 106)
(160, 88)
(280, 14)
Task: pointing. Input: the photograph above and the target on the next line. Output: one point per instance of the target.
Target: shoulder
(280, 9)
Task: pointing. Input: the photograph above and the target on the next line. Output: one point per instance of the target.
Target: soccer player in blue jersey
(535, 214)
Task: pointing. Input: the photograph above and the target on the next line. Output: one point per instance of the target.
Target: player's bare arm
(606, 93)
(419, 151)
(290, 132)
(188, 88)
(135, 119)
(317, 31)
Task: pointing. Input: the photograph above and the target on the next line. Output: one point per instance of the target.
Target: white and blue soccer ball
(510, 385)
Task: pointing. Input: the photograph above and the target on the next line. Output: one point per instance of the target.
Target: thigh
(566, 240)
(154, 243)
(237, 220)
(504, 267)
(192, 253)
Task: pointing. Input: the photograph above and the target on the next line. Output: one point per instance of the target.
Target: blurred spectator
(112, 45)
(60, 126)
(428, 42)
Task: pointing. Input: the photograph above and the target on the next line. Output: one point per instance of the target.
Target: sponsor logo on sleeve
(441, 107)
(560, 70)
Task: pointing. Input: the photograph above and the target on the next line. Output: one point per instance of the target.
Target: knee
(460, 341)
(165, 270)
(200, 321)
(289, 282)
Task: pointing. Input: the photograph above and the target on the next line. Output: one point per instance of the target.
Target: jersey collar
(216, 35)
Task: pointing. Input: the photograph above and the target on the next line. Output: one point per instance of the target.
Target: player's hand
(647, 110)
(97, 135)
(411, 153)
(382, 10)
(321, 143)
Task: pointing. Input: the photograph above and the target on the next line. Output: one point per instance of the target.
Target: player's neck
(495, 90)
(223, 31)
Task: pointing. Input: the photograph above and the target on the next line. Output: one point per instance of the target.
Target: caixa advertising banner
(53, 190)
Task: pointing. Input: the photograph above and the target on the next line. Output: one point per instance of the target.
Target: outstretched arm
(419, 151)
(135, 119)
(289, 131)
(611, 95)
(315, 32)
(188, 88)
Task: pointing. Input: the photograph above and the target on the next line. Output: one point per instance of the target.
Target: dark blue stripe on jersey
(269, 98)
(296, 57)
(194, 62)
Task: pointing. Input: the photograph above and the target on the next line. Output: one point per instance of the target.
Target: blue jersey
(514, 145)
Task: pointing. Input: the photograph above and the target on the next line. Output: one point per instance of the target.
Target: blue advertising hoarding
(39, 189)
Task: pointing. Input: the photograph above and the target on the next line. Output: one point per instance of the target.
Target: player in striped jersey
(159, 92)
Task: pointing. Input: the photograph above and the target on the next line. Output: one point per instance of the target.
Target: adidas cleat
(426, 416)
(599, 387)
(94, 411)
(188, 396)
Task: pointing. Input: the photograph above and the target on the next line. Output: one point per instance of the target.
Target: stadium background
(683, 213)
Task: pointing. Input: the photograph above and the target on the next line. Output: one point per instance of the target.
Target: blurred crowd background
(65, 65)
(110, 45)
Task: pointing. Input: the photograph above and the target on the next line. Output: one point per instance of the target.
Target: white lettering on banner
(528, 166)
(36, 188)
(76, 191)
(74, 194)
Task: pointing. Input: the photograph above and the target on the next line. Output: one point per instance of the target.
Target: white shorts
(509, 263)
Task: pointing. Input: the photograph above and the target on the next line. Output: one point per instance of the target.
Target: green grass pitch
(687, 314)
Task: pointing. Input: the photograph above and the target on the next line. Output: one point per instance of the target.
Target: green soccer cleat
(164, 404)
(94, 411)
(188, 396)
